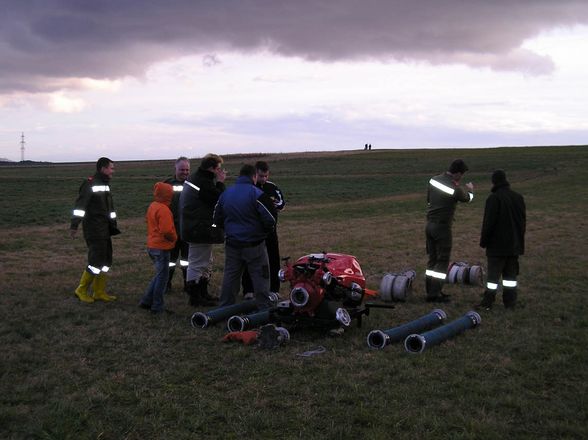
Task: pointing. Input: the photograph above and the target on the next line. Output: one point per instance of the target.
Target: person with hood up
(503, 237)
(161, 239)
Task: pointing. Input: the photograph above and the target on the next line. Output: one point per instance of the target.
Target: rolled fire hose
(396, 287)
(416, 343)
(382, 338)
(205, 319)
(463, 273)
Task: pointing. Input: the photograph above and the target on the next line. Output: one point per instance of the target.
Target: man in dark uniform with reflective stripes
(182, 171)
(444, 192)
(503, 236)
(95, 210)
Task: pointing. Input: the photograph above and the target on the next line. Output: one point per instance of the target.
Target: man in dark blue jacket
(244, 211)
(503, 236)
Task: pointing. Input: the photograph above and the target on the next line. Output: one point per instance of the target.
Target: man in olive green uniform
(442, 196)
(94, 209)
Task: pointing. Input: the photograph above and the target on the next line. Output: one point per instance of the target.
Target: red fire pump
(327, 289)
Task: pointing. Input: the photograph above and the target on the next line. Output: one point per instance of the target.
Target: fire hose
(205, 319)
(237, 323)
(416, 343)
(382, 338)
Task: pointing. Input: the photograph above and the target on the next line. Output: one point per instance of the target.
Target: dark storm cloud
(53, 39)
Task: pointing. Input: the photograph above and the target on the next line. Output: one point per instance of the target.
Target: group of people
(503, 233)
(192, 212)
(189, 214)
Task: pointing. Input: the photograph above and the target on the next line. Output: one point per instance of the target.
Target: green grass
(110, 371)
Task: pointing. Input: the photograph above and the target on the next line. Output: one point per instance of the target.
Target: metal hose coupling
(199, 320)
(237, 323)
(299, 297)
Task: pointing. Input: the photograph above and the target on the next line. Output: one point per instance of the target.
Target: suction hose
(416, 343)
(238, 323)
(205, 319)
(382, 338)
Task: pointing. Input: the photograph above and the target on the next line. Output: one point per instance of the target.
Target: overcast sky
(148, 79)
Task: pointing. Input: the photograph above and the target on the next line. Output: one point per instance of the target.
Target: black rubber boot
(487, 301)
(509, 298)
(193, 291)
(169, 280)
(205, 298)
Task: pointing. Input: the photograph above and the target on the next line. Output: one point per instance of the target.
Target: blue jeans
(154, 294)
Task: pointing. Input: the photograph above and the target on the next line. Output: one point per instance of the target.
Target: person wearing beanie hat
(443, 194)
(503, 237)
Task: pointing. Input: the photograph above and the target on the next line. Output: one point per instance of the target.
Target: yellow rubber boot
(82, 290)
(99, 287)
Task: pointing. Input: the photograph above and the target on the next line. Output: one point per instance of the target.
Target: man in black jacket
(197, 201)
(503, 236)
(95, 211)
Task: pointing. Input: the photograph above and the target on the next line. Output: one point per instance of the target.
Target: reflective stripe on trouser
(438, 240)
(506, 268)
(99, 256)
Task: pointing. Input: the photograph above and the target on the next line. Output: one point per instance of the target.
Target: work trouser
(254, 258)
(199, 261)
(439, 241)
(273, 255)
(181, 250)
(506, 267)
(99, 255)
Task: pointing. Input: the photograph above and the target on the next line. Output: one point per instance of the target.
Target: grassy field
(111, 371)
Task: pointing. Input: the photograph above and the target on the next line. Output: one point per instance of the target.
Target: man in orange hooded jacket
(161, 239)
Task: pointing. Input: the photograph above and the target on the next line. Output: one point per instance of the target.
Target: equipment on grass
(238, 323)
(462, 273)
(381, 338)
(205, 319)
(397, 286)
(416, 343)
(327, 290)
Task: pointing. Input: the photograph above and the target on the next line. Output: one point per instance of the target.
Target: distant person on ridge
(503, 236)
(94, 209)
(182, 171)
(443, 193)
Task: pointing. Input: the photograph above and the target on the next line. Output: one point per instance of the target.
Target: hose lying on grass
(416, 343)
(382, 338)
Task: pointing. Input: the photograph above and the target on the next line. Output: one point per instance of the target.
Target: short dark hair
(458, 166)
(103, 162)
(182, 159)
(210, 160)
(247, 170)
(261, 165)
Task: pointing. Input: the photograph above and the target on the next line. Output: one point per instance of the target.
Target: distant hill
(12, 163)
